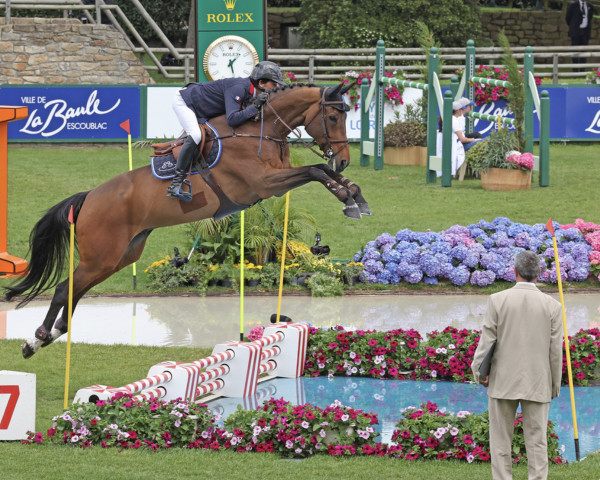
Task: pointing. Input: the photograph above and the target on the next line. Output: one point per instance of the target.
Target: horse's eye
(333, 118)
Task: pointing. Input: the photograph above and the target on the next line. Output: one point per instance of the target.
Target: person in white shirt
(458, 151)
(474, 137)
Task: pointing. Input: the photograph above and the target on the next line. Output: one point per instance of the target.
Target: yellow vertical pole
(242, 242)
(70, 305)
(283, 253)
(125, 126)
(550, 228)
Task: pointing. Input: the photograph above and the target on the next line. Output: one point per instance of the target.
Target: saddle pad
(163, 167)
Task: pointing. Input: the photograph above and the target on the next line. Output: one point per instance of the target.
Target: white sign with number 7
(17, 404)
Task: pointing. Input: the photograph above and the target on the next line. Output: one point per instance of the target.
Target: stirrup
(180, 193)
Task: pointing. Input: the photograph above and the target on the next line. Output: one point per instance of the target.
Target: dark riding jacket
(225, 96)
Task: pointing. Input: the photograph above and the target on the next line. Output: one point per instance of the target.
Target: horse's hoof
(27, 350)
(364, 208)
(351, 211)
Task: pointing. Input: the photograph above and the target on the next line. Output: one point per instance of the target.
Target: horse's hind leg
(44, 335)
(132, 254)
(87, 274)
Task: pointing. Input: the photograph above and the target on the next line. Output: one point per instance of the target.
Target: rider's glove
(260, 99)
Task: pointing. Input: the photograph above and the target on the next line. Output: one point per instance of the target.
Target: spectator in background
(458, 151)
(472, 137)
(458, 123)
(579, 19)
(526, 367)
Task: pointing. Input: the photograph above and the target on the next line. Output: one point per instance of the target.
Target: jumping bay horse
(113, 221)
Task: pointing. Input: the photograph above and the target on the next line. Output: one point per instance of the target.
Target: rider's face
(267, 84)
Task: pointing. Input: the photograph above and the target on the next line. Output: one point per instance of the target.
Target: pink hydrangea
(255, 333)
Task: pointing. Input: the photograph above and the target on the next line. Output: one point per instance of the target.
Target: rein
(329, 153)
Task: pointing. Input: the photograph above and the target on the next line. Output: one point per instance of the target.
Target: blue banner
(574, 114)
(73, 112)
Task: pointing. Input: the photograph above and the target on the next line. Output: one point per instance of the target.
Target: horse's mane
(279, 88)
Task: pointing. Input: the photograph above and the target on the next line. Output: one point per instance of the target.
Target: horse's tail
(48, 245)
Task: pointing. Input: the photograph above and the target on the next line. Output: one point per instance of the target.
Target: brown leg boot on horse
(176, 189)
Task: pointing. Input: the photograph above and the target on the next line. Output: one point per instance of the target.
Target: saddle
(208, 154)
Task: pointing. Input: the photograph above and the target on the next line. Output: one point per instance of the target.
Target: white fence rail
(312, 65)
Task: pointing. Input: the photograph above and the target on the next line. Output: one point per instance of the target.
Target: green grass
(398, 196)
(121, 364)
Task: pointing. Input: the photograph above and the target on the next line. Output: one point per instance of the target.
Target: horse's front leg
(278, 182)
(354, 189)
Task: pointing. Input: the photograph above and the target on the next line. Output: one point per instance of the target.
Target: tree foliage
(516, 91)
(359, 23)
(172, 18)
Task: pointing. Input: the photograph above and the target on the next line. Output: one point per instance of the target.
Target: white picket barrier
(231, 371)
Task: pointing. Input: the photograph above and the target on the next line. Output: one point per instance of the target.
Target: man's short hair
(527, 265)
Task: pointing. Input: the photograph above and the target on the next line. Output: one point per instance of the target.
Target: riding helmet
(266, 71)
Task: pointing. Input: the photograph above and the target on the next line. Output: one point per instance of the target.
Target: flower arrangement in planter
(499, 152)
(428, 432)
(277, 426)
(392, 94)
(478, 254)
(300, 431)
(444, 355)
(405, 140)
(127, 424)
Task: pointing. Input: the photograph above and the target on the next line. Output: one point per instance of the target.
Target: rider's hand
(260, 99)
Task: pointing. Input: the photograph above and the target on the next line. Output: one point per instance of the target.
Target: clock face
(229, 56)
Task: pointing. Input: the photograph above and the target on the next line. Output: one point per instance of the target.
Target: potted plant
(405, 140)
(499, 164)
(252, 275)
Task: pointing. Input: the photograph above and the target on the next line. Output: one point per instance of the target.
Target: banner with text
(73, 113)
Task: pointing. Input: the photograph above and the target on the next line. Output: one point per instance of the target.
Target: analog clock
(229, 56)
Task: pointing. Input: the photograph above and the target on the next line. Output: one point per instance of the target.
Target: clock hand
(231, 64)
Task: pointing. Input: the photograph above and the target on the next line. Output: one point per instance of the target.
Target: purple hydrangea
(404, 235)
(523, 240)
(459, 276)
(430, 265)
(459, 252)
(482, 278)
(403, 269)
(373, 266)
(415, 275)
(479, 253)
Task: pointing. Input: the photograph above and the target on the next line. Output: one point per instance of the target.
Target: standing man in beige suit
(526, 367)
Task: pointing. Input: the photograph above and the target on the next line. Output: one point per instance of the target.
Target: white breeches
(187, 118)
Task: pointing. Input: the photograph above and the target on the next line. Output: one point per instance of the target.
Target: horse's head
(330, 131)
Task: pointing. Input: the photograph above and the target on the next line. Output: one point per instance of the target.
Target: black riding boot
(175, 190)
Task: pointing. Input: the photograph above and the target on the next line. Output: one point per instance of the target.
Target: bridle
(327, 146)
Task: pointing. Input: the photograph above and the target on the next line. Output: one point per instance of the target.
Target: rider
(197, 102)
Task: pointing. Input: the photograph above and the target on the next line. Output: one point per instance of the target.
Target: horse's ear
(335, 92)
(347, 87)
